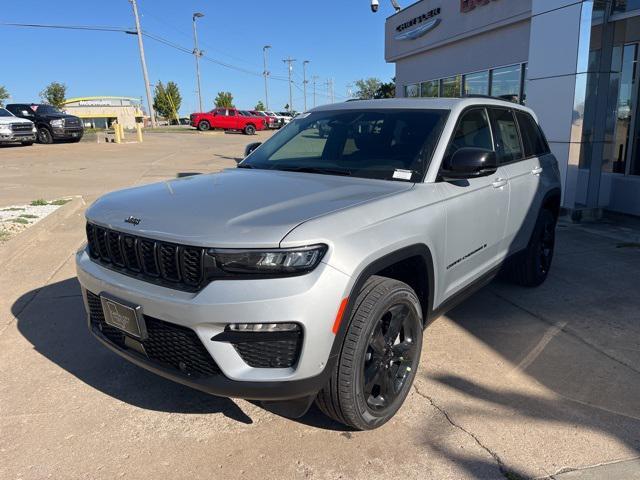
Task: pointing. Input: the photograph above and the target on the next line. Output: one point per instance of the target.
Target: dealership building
(101, 112)
(574, 62)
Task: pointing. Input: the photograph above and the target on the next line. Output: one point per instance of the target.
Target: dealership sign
(418, 26)
(468, 5)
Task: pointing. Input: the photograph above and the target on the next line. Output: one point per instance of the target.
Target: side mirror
(250, 148)
(470, 163)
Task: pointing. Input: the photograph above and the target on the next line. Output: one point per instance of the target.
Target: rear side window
(473, 131)
(505, 131)
(532, 140)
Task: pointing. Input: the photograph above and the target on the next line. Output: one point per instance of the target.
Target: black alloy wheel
(44, 135)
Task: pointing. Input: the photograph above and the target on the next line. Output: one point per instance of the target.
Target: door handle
(536, 171)
(499, 183)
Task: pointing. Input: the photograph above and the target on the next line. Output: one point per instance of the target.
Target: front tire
(379, 357)
(204, 126)
(249, 130)
(45, 136)
(531, 267)
(27, 144)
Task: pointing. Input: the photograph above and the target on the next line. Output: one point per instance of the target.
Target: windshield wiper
(321, 170)
(244, 166)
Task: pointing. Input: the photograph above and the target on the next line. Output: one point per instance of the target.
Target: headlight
(58, 123)
(288, 261)
(5, 128)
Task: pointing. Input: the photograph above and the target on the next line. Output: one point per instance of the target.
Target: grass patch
(22, 221)
(4, 235)
(60, 201)
(39, 202)
(28, 215)
(14, 209)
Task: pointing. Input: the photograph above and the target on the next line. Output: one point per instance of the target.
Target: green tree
(54, 94)
(224, 100)
(4, 94)
(167, 99)
(260, 106)
(386, 90)
(367, 88)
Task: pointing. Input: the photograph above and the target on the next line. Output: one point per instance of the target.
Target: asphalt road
(513, 383)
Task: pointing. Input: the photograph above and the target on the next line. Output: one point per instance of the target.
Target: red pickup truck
(227, 119)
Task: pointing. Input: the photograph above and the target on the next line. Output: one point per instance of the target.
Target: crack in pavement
(501, 466)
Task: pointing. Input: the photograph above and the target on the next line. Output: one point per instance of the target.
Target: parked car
(51, 123)
(16, 130)
(310, 271)
(271, 121)
(286, 117)
(227, 119)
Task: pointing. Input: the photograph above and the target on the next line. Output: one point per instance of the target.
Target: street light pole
(304, 82)
(197, 53)
(145, 74)
(314, 78)
(266, 75)
(290, 61)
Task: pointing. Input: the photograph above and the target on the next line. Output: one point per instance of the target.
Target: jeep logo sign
(468, 5)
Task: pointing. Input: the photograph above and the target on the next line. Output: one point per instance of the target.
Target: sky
(342, 39)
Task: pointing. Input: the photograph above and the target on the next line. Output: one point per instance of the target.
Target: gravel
(16, 218)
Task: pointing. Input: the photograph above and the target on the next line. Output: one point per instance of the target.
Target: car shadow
(53, 319)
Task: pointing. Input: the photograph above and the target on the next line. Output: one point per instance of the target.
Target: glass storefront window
(430, 89)
(412, 90)
(476, 83)
(505, 83)
(621, 6)
(451, 86)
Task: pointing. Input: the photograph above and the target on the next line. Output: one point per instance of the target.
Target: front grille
(71, 122)
(281, 353)
(22, 127)
(176, 266)
(167, 344)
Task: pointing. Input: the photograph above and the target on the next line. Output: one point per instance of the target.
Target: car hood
(236, 207)
(9, 120)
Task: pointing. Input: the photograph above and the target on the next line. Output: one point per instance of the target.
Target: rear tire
(45, 136)
(531, 267)
(379, 358)
(204, 126)
(27, 144)
(249, 130)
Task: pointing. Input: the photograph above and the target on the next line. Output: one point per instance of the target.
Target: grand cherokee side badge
(132, 220)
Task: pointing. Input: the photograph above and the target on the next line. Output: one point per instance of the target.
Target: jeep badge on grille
(132, 220)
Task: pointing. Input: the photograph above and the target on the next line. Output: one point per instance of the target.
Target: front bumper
(17, 137)
(311, 301)
(67, 133)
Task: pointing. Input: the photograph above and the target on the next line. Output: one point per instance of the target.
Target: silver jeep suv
(310, 271)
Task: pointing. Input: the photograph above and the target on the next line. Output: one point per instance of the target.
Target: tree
(386, 90)
(367, 88)
(167, 99)
(54, 94)
(260, 106)
(224, 100)
(4, 94)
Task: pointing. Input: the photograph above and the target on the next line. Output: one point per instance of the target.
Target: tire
(204, 126)
(27, 144)
(370, 358)
(45, 136)
(249, 130)
(531, 267)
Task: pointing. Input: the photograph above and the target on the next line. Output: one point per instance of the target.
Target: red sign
(468, 5)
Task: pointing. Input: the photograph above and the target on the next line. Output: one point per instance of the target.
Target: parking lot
(514, 383)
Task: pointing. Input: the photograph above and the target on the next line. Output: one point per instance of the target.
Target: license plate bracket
(124, 316)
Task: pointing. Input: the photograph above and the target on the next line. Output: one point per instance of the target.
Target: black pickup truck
(52, 124)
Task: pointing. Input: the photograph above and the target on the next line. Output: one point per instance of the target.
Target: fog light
(263, 327)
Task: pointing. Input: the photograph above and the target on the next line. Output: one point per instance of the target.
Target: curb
(21, 242)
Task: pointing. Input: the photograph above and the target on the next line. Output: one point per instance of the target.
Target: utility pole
(145, 74)
(266, 75)
(290, 61)
(350, 90)
(304, 82)
(329, 84)
(197, 53)
(314, 78)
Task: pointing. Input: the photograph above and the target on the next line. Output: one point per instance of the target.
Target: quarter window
(473, 131)
(532, 139)
(506, 136)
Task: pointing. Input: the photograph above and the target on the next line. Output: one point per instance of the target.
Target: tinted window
(506, 136)
(5, 113)
(532, 139)
(472, 132)
(386, 144)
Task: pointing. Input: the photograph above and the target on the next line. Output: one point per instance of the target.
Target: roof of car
(420, 103)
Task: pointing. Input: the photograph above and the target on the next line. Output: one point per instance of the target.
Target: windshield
(381, 144)
(5, 113)
(47, 109)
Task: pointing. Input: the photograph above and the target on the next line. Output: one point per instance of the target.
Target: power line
(94, 28)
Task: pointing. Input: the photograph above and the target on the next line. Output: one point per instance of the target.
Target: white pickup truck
(14, 129)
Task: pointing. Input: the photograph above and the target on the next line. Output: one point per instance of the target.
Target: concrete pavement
(514, 383)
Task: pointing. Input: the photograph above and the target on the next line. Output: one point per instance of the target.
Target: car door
(476, 209)
(522, 168)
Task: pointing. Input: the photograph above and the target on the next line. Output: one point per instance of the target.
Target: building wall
(125, 115)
